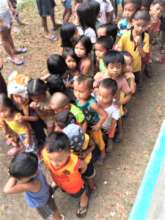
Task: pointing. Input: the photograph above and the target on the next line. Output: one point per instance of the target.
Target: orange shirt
(67, 177)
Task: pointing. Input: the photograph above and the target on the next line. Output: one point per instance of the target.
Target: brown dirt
(118, 180)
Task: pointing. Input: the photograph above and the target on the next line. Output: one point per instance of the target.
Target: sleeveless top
(40, 198)
(67, 177)
(90, 114)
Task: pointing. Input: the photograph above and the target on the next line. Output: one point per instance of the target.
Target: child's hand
(20, 118)
(96, 127)
(83, 155)
(138, 40)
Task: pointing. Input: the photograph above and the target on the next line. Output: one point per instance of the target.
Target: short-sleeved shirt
(78, 114)
(105, 7)
(126, 43)
(113, 112)
(89, 32)
(4, 6)
(90, 115)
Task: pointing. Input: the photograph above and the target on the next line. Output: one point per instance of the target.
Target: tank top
(67, 177)
(40, 198)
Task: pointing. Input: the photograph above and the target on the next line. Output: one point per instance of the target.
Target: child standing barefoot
(26, 177)
(45, 9)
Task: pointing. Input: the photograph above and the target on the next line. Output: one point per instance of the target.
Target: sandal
(16, 61)
(51, 37)
(21, 50)
(82, 211)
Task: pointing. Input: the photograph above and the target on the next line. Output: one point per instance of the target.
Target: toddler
(27, 177)
(66, 169)
(94, 114)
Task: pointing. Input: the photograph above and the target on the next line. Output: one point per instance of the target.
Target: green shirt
(78, 114)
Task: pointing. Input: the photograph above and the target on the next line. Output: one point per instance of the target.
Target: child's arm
(12, 186)
(102, 115)
(126, 99)
(89, 150)
(28, 118)
(112, 129)
(86, 66)
(82, 166)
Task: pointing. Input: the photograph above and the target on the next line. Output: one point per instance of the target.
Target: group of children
(70, 118)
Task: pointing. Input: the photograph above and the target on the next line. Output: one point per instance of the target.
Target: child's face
(38, 98)
(104, 96)
(71, 63)
(80, 50)
(129, 10)
(4, 112)
(114, 70)
(101, 32)
(81, 91)
(139, 26)
(156, 10)
(19, 99)
(128, 64)
(58, 158)
(99, 51)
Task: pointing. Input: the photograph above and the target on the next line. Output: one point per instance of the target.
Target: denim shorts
(67, 4)
(6, 18)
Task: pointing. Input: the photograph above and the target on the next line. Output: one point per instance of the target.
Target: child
(81, 145)
(17, 132)
(3, 88)
(105, 96)
(68, 34)
(61, 106)
(94, 114)
(71, 61)
(27, 177)
(16, 13)
(17, 90)
(128, 71)
(107, 30)
(102, 46)
(67, 10)
(161, 58)
(129, 9)
(66, 169)
(106, 12)
(46, 8)
(87, 20)
(37, 91)
(82, 49)
(136, 43)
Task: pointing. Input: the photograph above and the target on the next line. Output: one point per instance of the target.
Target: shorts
(47, 210)
(45, 8)
(86, 189)
(7, 19)
(67, 4)
(162, 23)
(98, 139)
(90, 171)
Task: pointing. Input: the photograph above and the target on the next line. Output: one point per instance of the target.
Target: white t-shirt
(105, 7)
(4, 6)
(89, 32)
(113, 112)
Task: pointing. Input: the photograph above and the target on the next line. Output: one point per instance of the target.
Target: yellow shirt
(126, 43)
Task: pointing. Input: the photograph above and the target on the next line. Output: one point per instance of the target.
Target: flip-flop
(82, 211)
(51, 37)
(21, 50)
(16, 61)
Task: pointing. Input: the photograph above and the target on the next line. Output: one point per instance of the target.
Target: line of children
(72, 116)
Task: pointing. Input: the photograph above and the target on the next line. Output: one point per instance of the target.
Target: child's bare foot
(83, 206)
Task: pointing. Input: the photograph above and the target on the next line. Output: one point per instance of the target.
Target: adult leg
(67, 14)
(45, 25)
(52, 17)
(7, 43)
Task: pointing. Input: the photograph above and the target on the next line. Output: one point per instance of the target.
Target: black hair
(137, 3)
(111, 30)
(36, 87)
(55, 84)
(86, 42)
(109, 84)
(83, 78)
(142, 15)
(106, 42)
(146, 4)
(113, 56)
(56, 64)
(87, 15)
(24, 164)
(67, 31)
(70, 52)
(160, 2)
(57, 141)
(7, 102)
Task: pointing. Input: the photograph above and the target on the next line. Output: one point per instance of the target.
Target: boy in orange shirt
(66, 169)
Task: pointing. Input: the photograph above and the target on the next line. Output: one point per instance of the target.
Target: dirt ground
(118, 180)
